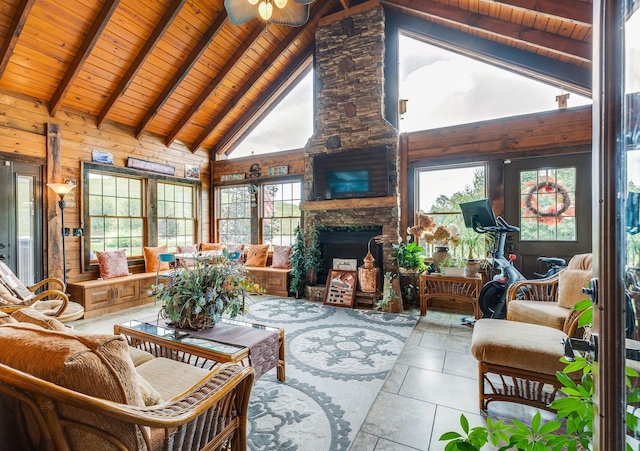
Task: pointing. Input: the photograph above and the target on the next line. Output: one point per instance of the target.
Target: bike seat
(551, 261)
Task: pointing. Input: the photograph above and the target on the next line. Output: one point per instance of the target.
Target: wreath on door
(546, 188)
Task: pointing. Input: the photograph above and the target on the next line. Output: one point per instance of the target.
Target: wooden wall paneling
(294, 159)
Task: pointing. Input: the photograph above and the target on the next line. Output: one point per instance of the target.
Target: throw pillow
(15, 285)
(570, 284)
(7, 297)
(281, 257)
(6, 319)
(211, 246)
(113, 264)
(150, 395)
(33, 316)
(257, 255)
(188, 249)
(96, 365)
(151, 259)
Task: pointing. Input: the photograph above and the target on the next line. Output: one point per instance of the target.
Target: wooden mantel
(344, 204)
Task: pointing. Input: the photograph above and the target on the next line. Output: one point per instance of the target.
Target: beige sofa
(64, 390)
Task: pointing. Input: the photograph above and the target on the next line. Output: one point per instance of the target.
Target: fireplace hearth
(348, 244)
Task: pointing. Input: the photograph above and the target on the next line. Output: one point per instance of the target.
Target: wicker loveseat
(63, 390)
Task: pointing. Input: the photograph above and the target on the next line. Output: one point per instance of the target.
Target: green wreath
(566, 199)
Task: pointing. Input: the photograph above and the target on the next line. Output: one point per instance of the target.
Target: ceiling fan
(294, 13)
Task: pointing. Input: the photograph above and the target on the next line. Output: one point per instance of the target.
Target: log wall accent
(523, 136)
(294, 159)
(23, 133)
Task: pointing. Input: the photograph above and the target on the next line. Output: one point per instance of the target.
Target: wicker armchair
(212, 415)
(52, 300)
(549, 302)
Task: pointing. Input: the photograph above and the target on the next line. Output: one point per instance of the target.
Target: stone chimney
(350, 107)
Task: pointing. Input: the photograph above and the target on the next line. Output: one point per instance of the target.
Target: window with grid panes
(176, 215)
(234, 215)
(280, 212)
(116, 215)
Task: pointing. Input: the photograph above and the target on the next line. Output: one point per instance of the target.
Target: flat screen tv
(351, 174)
(478, 213)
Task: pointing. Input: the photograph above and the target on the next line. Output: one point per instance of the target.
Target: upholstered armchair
(550, 301)
(47, 296)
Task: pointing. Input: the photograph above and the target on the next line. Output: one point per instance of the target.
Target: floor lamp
(62, 189)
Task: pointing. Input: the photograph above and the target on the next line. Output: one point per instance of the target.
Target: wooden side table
(457, 288)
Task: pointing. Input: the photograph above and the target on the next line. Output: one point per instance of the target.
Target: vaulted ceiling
(181, 70)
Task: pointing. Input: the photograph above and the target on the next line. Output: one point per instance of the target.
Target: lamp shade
(294, 13)
(61, 189)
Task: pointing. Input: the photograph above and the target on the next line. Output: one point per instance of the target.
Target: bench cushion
(548, 314)
(170, 377)
(528, 347)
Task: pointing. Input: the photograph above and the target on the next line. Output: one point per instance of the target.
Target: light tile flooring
(433, 381)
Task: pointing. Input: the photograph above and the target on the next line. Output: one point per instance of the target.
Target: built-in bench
(99, 297)
(274, 280)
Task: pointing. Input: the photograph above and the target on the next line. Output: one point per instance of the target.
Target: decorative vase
(441, 253)
(368, 275)
(472, 268)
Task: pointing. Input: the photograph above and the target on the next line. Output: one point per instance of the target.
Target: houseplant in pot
(195, 297)
(477, 247)
(408, 257)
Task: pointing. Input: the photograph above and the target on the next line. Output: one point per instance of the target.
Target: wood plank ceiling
(181, 70)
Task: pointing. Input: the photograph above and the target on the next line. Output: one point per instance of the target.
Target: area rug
(337, 361)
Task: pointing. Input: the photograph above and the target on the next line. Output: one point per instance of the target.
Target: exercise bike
(478, 215)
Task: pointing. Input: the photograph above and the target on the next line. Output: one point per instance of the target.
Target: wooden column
(53, 229)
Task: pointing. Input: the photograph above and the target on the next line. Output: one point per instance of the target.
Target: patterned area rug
(337, 360)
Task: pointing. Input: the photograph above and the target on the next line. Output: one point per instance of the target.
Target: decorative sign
(345, 264)
(227, 177)
(341, 288)
(150, 166)
(255, 171)
(278, 170)
(101, 156)
(191, 171)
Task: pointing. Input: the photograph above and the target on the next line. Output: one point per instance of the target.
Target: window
(280, 212)
(441, 191)
(278, 205)
(548, 205)
(445, 88)
(176, 215)
(119, 212)
(115, 214)
(234, 217)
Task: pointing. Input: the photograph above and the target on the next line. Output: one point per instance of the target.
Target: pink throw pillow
(113, 264)
(280, 257)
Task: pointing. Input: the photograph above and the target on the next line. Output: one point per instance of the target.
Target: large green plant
(196, 296)
(313, 257)
(409, 256)
(298, 263)
(576, 410)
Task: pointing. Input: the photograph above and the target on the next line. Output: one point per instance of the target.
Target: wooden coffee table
(207, 348)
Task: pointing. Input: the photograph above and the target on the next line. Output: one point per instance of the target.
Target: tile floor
(432, 383)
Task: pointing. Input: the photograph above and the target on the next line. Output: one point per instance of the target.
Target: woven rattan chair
(549, 302)
(212, 415)
(51, 299)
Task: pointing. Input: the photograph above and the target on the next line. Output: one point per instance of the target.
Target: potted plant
(476, 244)
(452, 266)
(408, 257)
(298, 263)
(196, 296)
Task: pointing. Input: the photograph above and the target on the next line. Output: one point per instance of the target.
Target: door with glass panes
(21, 219)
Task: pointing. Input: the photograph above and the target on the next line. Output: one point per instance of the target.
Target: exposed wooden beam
(293, 34)
(554, 43)
(345, 4)
(267, 100)
(573, 10)
(359, 9)
(246, 45)
(167, 19)
(83, 53)
(13, 33)
(175, 81)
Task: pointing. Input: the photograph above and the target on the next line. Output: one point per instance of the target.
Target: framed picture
(227, 177)
(192, 171)
(278, 170)
(150, 166)
(101, 156)
(341, 288)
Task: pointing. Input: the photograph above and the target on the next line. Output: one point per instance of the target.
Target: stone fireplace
(350, 56)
